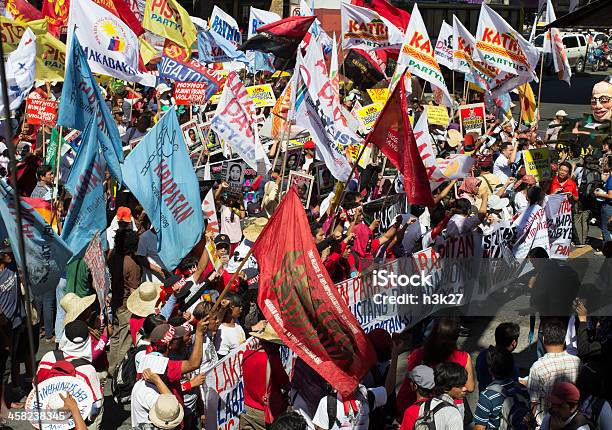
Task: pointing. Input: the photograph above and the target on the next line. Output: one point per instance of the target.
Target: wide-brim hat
(454, 138)
(143, 301)
(497, 203)
(268, 334)
(254, 228)
(75, 305)
(167, 412)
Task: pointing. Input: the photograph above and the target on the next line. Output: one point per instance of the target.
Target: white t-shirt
(351, 419)
(229, 227)
(144, 396)
(447, 418)
(501, 168)
(147, 247)
(520, 202)
(459, 224)
(229, 338)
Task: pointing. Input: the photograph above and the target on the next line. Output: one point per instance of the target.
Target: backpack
(332, 408)
(580, 420)
(427, 421)
(590, 180)
(597, 405)
(61, 367)
(124, 377)
(515, 409)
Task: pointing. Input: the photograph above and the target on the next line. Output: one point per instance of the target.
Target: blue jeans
(606, 213)
(61, 313)
(45, 305)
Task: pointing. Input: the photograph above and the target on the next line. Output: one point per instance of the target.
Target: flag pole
(539, 88)
(231, 281)
(204, 145)
(25, 281)
(58, 156)
(44, 142)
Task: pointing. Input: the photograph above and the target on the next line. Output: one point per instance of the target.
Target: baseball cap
(164, 333)
(124, 214)
(309, 144)
(561, 113)
(564, 392)
(222, 239)
(423, 376)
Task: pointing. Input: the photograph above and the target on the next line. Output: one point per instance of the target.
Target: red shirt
(569, 186)
(254, 376)
(174, 373)
(136, 323)
(411, 415)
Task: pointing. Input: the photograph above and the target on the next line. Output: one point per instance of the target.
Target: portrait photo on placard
(213, 144)
(191, 132)
(303, 185)
(235, 175)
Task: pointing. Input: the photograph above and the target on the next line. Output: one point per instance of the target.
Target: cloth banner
(531, 231)
(46, 254)
(94, 258)
(365, 29)
(190, 71)
(159, 173)
(558, 210)
(56, 12)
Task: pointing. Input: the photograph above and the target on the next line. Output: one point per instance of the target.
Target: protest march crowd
(203, 232)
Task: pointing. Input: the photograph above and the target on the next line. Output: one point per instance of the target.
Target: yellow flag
(169, 19)
(13, 30)
(147, 51)
(50, 58)
(528, 103)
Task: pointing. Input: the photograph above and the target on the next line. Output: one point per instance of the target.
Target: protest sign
(437, 115)
(386, 209)
(303, 185)
(187, 93)
(531, 230)
(262, 95)
(368, 115)
(40, 111)
(379, 95)
(94, 258)
(472, 119)
(537, 163)
(558, 211)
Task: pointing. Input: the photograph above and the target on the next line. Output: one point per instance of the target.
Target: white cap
(162, 88)
(561, 113)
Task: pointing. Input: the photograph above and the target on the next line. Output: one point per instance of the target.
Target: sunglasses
(600, 99)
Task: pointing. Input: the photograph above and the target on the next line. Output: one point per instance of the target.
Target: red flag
(281, 37)
(23, 11)
(392, 133)
(57, 13)
(294, 27)
(396, 16)
(125, 13)
(300, 301)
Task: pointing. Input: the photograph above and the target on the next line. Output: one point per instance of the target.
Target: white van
(575, 47)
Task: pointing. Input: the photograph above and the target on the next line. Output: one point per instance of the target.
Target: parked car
(575, 48)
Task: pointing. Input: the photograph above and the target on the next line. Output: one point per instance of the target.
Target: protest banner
(437, 115)
(262, 95)
(537, 163)
(386, 209)
(94, 258)
(188, 93)
(40, 111)
(379, 95)
(531, 230)
(368, 115)
(472, 119)
(558, 210)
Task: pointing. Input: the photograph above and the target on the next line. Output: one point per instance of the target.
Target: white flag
(234, 122)
(444, 46)
(210, 212)
(417, 55)
(553, 44)
(259, 18)
(110, 45)
(363, 28)
(501, 46)
(226, 26)
(20, 71)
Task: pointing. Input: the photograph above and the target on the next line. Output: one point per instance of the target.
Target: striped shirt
(551, 368)
(490, 403)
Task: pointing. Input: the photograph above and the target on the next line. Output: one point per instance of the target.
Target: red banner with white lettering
(40, 111)
(190, 93)
(300, 301)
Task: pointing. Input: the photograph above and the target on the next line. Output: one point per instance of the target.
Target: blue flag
(214, 48)
(260, 61)
(46, 254)
(87, 212)
(190, 71)
(82, 100)
(159, 173)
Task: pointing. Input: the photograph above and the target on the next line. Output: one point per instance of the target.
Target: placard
(303, 185)
(472, 119)
(379, 95)
(368, 115)
(40, 111)
(192, 134)
(262, 95)
(188, 93)
(437, 115)
(537, 163)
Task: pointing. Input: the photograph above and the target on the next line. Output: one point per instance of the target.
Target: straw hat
(167, 413)
(454, 138)
(143, 300)
(254, 228)
(268, 334)
(75, 305)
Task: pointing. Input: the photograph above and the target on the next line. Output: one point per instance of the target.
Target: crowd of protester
(175, 315)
